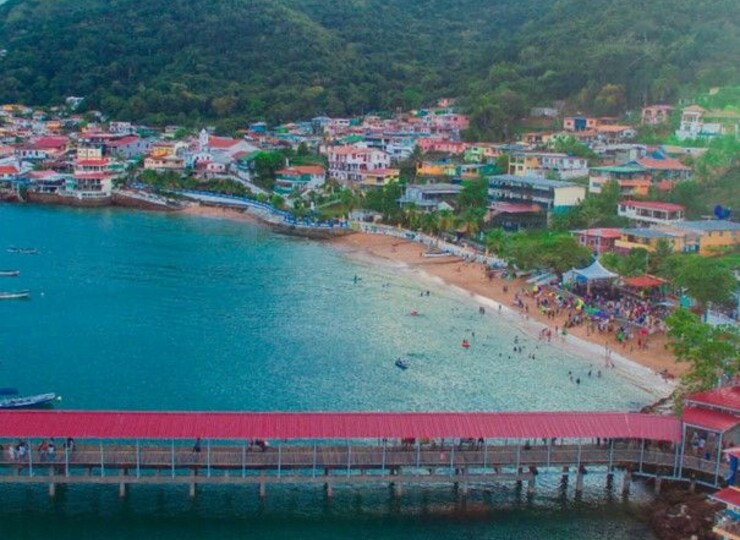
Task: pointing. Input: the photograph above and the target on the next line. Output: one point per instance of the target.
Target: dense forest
(238, 60)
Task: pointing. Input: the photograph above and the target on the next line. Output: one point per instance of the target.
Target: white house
(347, 163)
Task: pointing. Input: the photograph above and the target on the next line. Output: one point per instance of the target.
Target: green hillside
(190, 60)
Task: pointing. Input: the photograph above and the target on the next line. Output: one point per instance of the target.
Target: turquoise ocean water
(146, 311)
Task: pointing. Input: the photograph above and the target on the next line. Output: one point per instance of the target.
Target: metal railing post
(719, 456)
(518, 456)
(452, 459)
(382, 465)
(485, 453)
(611, 454)
(681, 453)
(349, 458)
(102, 461)
(642, 452)
(418, 456)
(244, 459)
(280, 460)
(30, 458)
(549, 450)
(313, 473)
(138, 459)
(173, 458)
(66, 460)
(208, 458)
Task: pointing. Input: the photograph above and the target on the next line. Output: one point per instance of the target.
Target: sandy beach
(472, 278)
(639, 366)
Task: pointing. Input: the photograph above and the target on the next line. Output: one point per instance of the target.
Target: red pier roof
(727, 397)
(336, 425)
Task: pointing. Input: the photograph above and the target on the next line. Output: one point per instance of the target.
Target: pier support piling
(565, 477)
(626, 481)
(580, 472)
(52, 490)
(263, 489)
(658, 482)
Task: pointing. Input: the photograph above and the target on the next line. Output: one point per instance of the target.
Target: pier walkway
(332, 449)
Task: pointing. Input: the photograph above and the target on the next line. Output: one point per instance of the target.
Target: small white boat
(434, 254)
(27, 402)
(23, 251)
(15, 295)
(10, 273)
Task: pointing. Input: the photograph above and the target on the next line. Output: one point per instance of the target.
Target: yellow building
(644, 238)
(712, 236)
(379, 178)
(435, 168)
(522, 164)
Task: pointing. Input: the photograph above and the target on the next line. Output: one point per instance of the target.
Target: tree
(707, 280)
(266, 164)
(712, 352)
(473, 195)
(446, 220)
(657, 259)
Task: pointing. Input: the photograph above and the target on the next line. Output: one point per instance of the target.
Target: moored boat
(15, 295)
(402, 364)
(10, 273)
(434, 254)
(26, 402)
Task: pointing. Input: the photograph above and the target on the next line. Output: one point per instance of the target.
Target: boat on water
(27, 402)
(23, 251)
(402, 364)
(15, 295)
(10, 273)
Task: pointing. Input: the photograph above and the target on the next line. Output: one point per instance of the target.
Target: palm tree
(445, 220)
(412, 216)
(430, 222)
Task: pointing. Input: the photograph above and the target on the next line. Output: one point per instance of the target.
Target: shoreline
(638, 367)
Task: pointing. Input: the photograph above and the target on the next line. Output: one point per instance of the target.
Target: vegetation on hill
(186, 61)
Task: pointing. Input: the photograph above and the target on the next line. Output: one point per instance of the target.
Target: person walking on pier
(197, 447)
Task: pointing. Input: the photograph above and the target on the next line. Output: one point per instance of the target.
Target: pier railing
(222, 462)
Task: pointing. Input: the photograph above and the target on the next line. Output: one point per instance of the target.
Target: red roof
(729, 495)
(667, 164)
(309, 169)
(130, 139)
(336, 425)
(643, 282)
(50, 143)
(708, 419)
(222, 142)
(8, 170)
(654, 205)
(727, 397)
